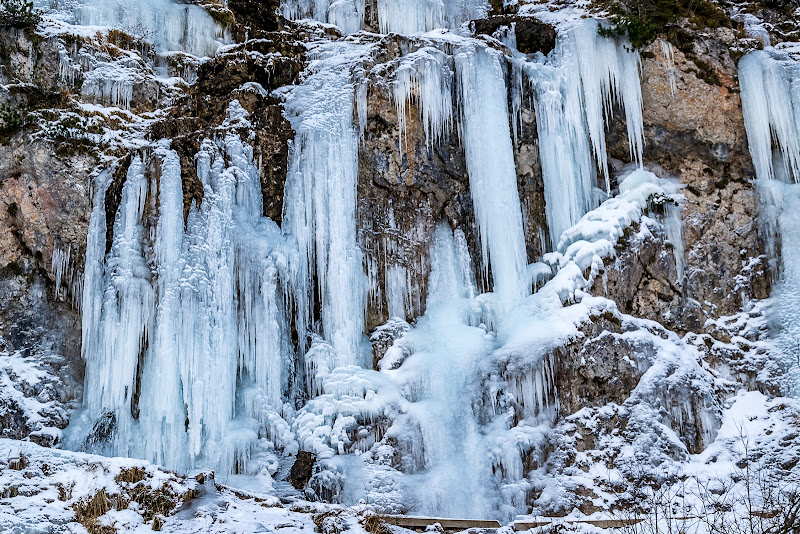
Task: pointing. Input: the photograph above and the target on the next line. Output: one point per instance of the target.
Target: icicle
(607, 71)
(320, 200)
(405, 17)
(348, 15)
(168, 25)
(535, 392)
(490, 163)
(574, 93)
(668, 53)
(567, 169)
(162, 414)
(770, 83)
(126, 317)
(425, 79)
(111, 85)
(60, 265)
(408, 17)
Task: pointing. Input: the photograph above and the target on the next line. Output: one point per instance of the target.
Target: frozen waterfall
(575, 89)
(490, 163)
(191, 353)
(320, 203)
(405, 17)
(770, 83)
(167, 24)
(215, 339)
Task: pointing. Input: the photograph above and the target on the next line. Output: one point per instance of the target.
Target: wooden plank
(600, 523)
(446, 523)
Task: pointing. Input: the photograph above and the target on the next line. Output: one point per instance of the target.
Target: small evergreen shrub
(12, 118)
(643, 21)
(19, 14)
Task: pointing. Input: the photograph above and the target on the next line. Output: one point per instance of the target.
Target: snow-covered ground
(50, 490)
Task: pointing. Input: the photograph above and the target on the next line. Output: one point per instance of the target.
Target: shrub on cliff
(645, 20)
(19, 14)
(13, 118)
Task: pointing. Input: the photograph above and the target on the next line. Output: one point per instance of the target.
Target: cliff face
(659, 329)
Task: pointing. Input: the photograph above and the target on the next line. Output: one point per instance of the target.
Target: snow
(53, 481)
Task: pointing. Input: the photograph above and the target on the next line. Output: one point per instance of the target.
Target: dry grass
(374, 524)
(87, 511)
(19, 463)
(131, 475)
(155, 504)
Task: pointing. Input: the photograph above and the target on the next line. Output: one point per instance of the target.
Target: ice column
(161, 409)
(770, 84)
(168, 25)
(607, 72)
(452, 451)
(567, 167)
(112, 350)
(320, 199)
(190, 356)
(486, 137)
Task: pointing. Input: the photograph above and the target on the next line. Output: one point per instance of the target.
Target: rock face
(696, 135)
(302, 469)
(247, 73)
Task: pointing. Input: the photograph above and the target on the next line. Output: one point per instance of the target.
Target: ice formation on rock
(424, 77)
(405, 17)
(185, 328)
(575, 89)
(213, 338)
(486, 136)
(167, 24)
(319, 210)
(770, 83)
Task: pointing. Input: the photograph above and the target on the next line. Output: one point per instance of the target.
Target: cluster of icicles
(189, 308)
(770, 83)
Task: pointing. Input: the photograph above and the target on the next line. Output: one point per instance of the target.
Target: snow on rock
(46, 488)
(32, 399)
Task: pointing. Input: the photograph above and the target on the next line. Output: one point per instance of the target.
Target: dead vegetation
(375, 524)
(19, 463)
(154, 504)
